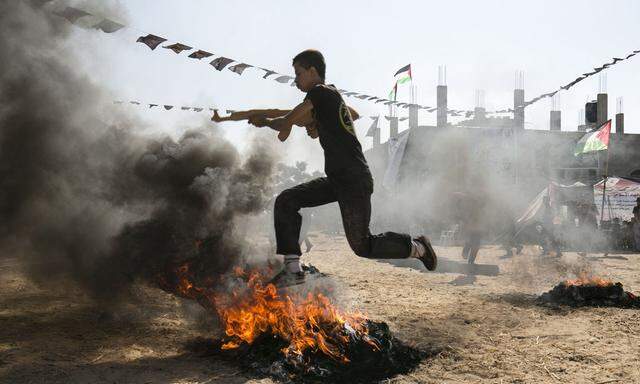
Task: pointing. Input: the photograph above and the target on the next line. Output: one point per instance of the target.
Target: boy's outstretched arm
(245, 115)
(300, 115)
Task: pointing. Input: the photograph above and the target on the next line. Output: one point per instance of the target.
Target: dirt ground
(487, 329)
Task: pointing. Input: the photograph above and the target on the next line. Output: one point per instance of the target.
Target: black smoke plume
(97, 203)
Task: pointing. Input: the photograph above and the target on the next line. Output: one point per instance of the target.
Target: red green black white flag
(597, 140)
(394, 92)
(403, 74)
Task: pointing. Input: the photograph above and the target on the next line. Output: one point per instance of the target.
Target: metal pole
(604, 186)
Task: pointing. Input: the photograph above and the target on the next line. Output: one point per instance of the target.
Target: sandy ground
(487, 329)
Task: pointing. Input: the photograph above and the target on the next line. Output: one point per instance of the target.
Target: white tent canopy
(556, 193)
(620, 198)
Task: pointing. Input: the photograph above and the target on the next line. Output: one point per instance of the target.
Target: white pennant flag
(372, 129)
(239, 68)
(72, 14)
(283, 79)
(221, 62)
(108, 26)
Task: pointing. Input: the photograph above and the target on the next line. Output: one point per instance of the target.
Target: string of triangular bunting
(169, 107)
(153, 41)
(73, 15)
(578, 79)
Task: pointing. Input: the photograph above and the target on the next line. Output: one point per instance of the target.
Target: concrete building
(499, 152)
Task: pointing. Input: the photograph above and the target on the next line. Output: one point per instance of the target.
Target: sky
(482, 44)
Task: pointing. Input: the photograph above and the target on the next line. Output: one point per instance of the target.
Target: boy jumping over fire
(348, 180)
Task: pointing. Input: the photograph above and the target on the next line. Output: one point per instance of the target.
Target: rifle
(246, 115)
(256, 115)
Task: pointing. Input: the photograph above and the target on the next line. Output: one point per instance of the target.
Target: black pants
(548, 241)
(353, 192)
(471, 246)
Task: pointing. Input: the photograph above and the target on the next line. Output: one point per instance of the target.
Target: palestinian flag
(394, 92)
(403, 74)
(597, 140)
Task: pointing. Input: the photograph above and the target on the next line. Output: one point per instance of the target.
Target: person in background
(545, 229)
(636, 226)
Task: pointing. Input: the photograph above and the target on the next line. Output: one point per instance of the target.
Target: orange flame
(585, 278)
(306, 322)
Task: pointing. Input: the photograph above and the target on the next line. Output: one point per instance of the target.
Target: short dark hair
(311, 58)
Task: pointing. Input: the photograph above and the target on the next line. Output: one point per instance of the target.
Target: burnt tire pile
(264, 357)
(591, 295)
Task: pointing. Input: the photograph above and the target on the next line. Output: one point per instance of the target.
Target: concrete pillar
(376, 138)
(479, 115)
(555, 121)
(518, 108)
(441, 119)
(393, 127)
(619, 117)
(591, 114)
(620, 123)
(413, 116)
(602, 114)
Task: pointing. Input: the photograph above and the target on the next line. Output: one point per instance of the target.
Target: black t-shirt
(342, 150)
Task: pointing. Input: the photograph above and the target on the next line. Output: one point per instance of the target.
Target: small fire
(585, 278)
(307, 322)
